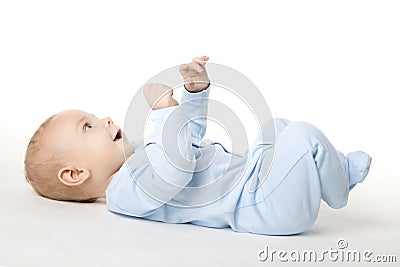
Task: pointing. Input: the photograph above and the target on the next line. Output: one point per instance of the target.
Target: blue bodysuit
(205, 184)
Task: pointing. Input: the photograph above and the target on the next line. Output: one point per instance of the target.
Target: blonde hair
(41, 169)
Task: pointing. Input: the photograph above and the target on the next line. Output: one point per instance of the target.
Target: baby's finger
(183, 68)
(201, 60)
(195, 66)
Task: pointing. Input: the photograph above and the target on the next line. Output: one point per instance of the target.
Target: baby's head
(73, 156)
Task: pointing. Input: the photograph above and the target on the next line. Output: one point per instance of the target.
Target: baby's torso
(222, 182)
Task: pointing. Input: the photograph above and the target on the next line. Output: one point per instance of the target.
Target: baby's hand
(159, 95)
(195, 75)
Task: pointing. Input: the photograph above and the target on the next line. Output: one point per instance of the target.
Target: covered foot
(358, 166)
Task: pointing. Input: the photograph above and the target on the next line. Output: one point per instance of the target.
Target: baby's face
(89, 142)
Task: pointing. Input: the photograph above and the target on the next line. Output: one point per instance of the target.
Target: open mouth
(118, 136)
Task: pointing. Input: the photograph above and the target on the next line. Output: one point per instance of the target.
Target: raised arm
(195, 95)
(195, 106)
(170, 153)
(152, 176)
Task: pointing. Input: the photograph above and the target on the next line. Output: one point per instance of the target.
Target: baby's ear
(73, 176)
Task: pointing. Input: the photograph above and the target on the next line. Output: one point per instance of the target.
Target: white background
(335, 64)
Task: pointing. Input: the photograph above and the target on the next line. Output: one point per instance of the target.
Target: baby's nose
(108, 121)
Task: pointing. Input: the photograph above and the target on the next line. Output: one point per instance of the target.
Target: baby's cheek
(101, 152)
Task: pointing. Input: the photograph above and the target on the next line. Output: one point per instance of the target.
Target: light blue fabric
(306, 168)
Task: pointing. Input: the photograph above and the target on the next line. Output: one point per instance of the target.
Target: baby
(75, 156)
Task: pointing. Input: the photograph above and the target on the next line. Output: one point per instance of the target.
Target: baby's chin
(128, 149)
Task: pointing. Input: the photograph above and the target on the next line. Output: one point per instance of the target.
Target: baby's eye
(87, 127)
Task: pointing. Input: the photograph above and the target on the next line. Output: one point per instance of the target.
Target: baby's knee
(304, 126)
(304, 130)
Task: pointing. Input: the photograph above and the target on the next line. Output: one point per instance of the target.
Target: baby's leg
(335, 170)
(306, 168)
(301, 143)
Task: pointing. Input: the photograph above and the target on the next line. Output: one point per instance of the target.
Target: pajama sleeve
(195, 106)
(153, 176)
(160, 170)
